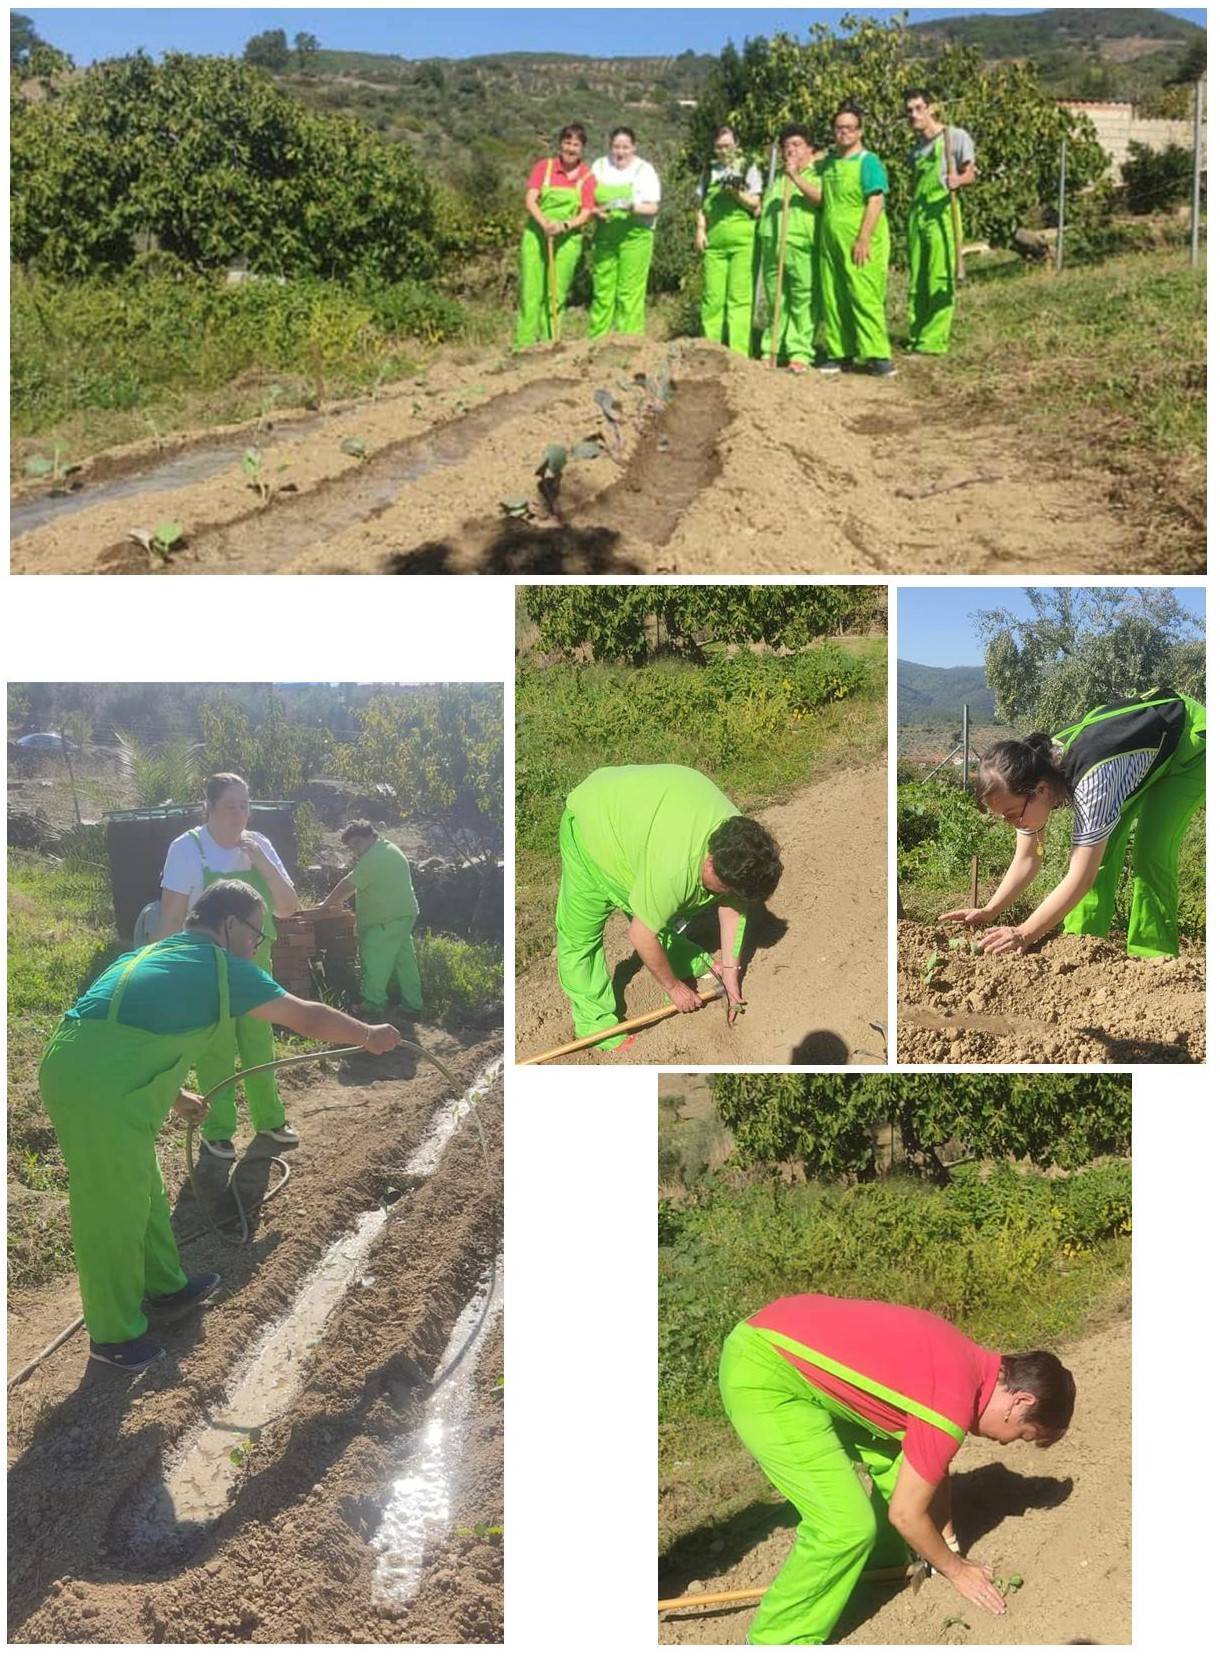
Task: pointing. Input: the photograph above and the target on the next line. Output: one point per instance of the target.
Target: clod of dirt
(1074, 1000)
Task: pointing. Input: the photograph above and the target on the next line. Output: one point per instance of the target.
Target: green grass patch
(1016, 1260)
(940, 829)
(759, 725)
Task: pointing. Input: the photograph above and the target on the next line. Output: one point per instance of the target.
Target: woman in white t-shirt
(224, 848)
(627, 198)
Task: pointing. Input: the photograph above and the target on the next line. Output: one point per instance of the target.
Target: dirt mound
(1061, 1519)
(290, 1559)
(1074, 1000)
(707, 463)
(815, 958)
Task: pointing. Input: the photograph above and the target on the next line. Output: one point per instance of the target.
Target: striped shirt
(1099, 796)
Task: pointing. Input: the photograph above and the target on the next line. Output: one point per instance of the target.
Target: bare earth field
(1061, 1519)
(816, 957)
(1074, 1000)
(740, 470)
(289, 1559)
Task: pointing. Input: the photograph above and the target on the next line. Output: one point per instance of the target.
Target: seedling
(553, 461)
(930, 965)
(355, 446)
(164, 539)
(516, 508)
(1004, 1585)
(588, 450)
(252, 465)
(39, 466)
(954, 1621)
(241, 1452)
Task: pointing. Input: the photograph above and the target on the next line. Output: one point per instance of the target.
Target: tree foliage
(630, 623)
(206, 159)
(828, 1124)
(274, 755)
(268, 50)
(1087, 645)
(441, 750)
(1156, 179)
(1016, 126)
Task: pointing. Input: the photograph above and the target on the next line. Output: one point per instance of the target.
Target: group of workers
(200, 995)
(814, 239)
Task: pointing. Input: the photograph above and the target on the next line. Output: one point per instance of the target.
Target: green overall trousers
(1155, 819)
(241, 1043)
(559, 202)
(726, 310)
(107, 1088)
(587, 899)
(387, 952)
(797, 307)
(931, 254)
(622, 255)
(852, 296)
(809, 1445)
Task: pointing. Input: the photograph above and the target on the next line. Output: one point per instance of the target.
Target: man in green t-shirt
(658, 842)
(386, 912)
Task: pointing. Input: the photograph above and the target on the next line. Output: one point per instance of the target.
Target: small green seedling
(240, 1454)
(39, 466)
(954, 1621)
(1004, 1585)
(587, 450)
(355, 446)
(516, 508)
(930, 965)
(252, 465)
(166, 536)
(553, 461)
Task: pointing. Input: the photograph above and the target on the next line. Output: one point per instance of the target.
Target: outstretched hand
(973, 1582)
(967, 916)
(1004, 940)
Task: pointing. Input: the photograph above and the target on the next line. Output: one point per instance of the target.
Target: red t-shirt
(582, 179)
(913, 1353)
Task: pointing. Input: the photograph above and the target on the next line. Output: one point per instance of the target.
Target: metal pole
(965, 744)
(1063, 173)
(1194, 198)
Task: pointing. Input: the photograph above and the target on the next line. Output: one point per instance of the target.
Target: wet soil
(815, 976)
(1060, 1518)
(290, 1560)
(737, 469)
(1073, 1000)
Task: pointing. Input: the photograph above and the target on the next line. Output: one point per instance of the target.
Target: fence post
(966, 745)
(1063, 169)
(1198, 171)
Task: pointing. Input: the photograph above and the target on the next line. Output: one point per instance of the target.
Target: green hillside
(928, 695)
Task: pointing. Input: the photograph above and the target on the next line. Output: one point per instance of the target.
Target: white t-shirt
(184, 867)
(640, 174)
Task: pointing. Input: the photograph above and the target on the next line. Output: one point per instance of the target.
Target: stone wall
(1117, 125)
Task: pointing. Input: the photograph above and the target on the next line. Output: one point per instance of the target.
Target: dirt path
(1075, 1000)
(291, 1559)
(739, 470)
(817, 975)
(1062, 1520)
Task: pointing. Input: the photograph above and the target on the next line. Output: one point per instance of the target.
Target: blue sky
(89, 33)
(934, 626)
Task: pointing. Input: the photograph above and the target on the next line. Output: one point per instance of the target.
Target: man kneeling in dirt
(816, 1386)
(658, 842)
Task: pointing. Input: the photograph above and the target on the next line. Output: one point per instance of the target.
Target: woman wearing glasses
(224, 849)
(1128, 770)
(112, 1072)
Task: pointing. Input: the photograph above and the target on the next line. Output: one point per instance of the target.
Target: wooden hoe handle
(640, 1022)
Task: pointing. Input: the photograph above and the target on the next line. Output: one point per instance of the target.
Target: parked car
(46, 739)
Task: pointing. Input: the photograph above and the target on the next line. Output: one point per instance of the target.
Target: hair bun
(1038, 742)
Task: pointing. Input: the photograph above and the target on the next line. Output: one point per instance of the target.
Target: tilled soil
(1061, 1519)
(730, 468)
(289, 1561)
(1073, 1000)
(815, 977)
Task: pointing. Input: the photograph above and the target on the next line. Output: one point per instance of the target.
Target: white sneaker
(287, 1134)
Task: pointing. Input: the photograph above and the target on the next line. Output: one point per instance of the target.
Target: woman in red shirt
(558, 202)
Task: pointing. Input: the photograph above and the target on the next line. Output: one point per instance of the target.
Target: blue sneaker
(132, 1356)
(193, 1291)
(880, 368)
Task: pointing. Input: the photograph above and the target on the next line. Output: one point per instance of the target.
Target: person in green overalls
(1130, 770)
(558, 202)
(659, 843)
(386, 912)
(798, 186)
(854, 252)
(816, 1386)
(225, 848)
(730, 197)
(627, 196)
(941, 161)
(114, 1069)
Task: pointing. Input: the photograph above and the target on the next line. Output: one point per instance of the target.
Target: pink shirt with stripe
(912, 1352)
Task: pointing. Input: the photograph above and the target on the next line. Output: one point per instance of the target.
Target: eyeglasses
(250, 926)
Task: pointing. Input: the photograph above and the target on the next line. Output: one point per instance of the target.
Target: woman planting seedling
(657, 842)
(816, 1386)
(558, 201)
(1129, 770)
(112, 1072)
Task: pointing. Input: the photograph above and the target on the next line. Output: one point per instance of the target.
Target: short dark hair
(625, 132)
(913, 92)
(574, 129)
(849, 106)
(224, 900)
(219, 782)
(745, 858)
(358, 830)
(1052, 1385)
(794, 130)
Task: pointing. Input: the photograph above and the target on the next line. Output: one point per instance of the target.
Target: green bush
(462, 982)
(1156, 180)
